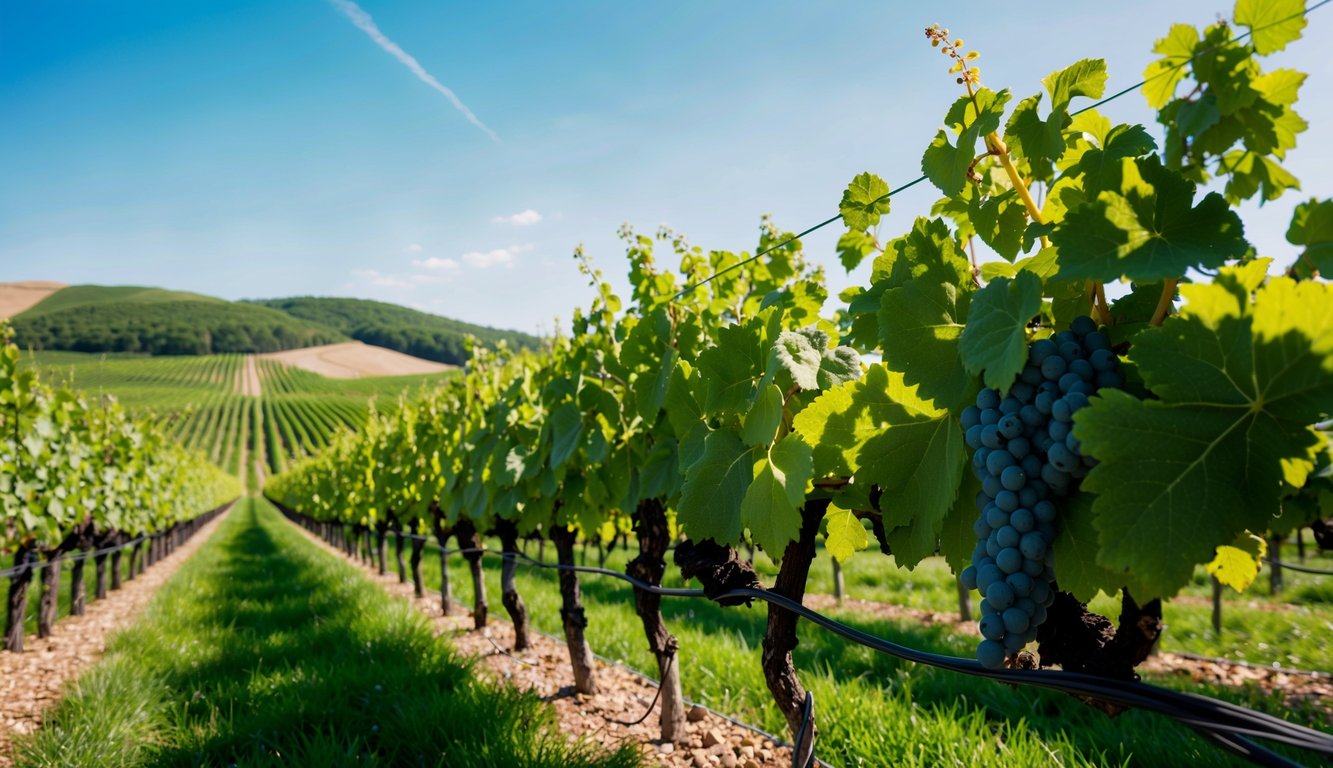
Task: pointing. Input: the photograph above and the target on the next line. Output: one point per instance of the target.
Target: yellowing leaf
(846, 535)
(1237, 565)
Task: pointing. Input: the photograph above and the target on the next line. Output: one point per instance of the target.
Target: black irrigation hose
(1227, 724)
(1298, 568)
(919, 179)
(86, 554)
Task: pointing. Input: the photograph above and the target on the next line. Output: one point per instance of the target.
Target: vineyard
(204, 403)
(1055, 487)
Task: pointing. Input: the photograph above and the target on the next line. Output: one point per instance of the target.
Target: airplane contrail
(366, 24)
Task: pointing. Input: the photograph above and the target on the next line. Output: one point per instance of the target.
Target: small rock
(766, 755)
(751, 764)
(666, 748)
(700, 758)
(747, 751)
(696, 714)
(748, 742)
(729, 760)
(712, 737)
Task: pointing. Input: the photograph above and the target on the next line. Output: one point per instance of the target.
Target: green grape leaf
(729, 369)
(1251, 173)
(1086, 77)
(883, 432)
(801, 353)
(1000, 221)
(845, 536)
(761, 422)
(1102, 167)
(1238, 384)
(1312, 227)
(715, 485)
(682, 409)
(956, 536)
(864, 201)
(839, 365)
(945, 164)
(1149, 230)
(1237, 564)
(995, 340)
(919, 325)
(566, 428)
(1040, 142)
(1075, 549)
(854, 247)
(1272, 23)
(771, 508)
(1162, 76)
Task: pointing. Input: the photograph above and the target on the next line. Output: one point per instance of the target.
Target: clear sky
(259, 149)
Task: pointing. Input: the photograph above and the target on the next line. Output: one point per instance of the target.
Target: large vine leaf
(881, 431)
(1273, 23)
(1239, 381)
(771, 508)
(728, 371)
(995, 339)
(1147, 230)
(919, 326)
(566, 427)
(715, 485)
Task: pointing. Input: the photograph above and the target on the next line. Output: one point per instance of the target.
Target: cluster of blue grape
(1025, 455)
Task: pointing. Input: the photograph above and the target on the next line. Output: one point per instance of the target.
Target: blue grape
(1083, 325)
(1000, 595)
(1011, 426)
(991, 654)
(1009, 559)
(969, 578)
(1016, 620)
(1021, 519)
(1054, 367)
(1008, 536)
(1013, 478)
(987, 399)
(992, 626)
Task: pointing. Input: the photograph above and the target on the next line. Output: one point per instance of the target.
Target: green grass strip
(265, 651)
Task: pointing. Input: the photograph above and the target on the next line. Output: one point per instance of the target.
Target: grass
(266, 651)
(873, 709)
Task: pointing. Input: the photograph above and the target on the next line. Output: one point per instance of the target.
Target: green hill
(410, 331)
(94, 318)
(73, 296)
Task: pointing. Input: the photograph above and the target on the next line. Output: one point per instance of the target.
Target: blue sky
(258, 149)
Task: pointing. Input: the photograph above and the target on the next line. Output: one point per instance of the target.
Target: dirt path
(31, 682)
(545, 668)
(247, 379)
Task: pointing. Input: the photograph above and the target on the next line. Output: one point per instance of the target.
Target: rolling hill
(156, 321)
(399, 328)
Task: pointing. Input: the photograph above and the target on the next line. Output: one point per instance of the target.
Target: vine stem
(1164, 303)
(1020, 186)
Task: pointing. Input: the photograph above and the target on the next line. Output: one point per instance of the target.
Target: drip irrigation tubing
(85, 554)
(1230, 725)
(1298, 568)
(888, 195)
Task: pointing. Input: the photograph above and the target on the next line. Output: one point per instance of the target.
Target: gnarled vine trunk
(50, 597)
(418, 584)
(78, 595)
(470, 541)
(780, 638)
(507, 530)
(115, 568)
(654, 535)
(572, 615)
(398, 554)
(442, 536)
(381, 548)
(16, 611)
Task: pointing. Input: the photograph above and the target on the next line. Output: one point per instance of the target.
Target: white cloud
(497, 257)
(413, 248)
(435, 262)
(366, 24)
(521, 219)
(380, 279)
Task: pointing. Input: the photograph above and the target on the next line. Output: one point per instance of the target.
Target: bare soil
(17, 297)
(33, 681)
(353, 360)
(247, 379)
